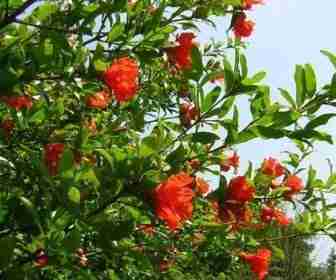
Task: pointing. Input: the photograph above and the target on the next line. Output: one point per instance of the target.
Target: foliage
(111, 116)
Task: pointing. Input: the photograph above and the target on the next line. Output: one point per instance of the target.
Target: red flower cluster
(99, 100)
(234, 210)
(188, 113)
(7, 126)
(272, 167)
(240, 191)
(248, 4)
(243, 27)
(230, 160)
(173, 200)
(122, 78)
(18, 102)
(180, 55)
(259, 262)
(52, 155)
(269, 214)
(295, 184)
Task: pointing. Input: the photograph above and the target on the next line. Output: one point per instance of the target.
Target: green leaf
(176, 156)
(278, 253)
(7, 246)
(39, 116)
(246, 135)
(285, 94)
(3, 213)
(8, 79)
(152, 178)
(204, 137)
(196, 70)
(88, 175)
(228, 75)
(106, 156)
(331, 56)
(211, 98)
(226, 106)
(67, 161)
(256, 78)
(243, 66)
(299, 82)
(148, 146)
(321, 120)
(304, 134)
(235, 3)
(112, 275)
(44, 11)
(310, 79)
(109, 231)
(270, 132)
(74, 195)
(72, 241)
(116, 31)
(284, 119)
(100, 65)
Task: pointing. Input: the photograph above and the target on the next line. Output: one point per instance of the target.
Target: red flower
(186, 39)
(7, 126)
(99, 100)
(18, 102)
(188, 113)
(259, 262)
(272, 167)
(231, 160)
(295, 184)
(235, 215)
(202, 187)
(173, 200)
(41, 258)
(269, 214)
(242, 26)
(180, 55)
(52, 155)
(248, 4)
(122, 78)
(240, 190)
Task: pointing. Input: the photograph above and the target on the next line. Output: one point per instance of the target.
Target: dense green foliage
(55, 54)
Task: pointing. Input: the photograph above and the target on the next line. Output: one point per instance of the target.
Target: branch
(11, 18)
(296, 235)
(45, 27)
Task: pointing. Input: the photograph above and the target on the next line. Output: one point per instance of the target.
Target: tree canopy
(118, 145)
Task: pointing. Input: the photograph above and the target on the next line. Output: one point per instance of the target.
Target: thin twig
(12, 17)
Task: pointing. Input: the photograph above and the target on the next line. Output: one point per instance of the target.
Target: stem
(44, 27)
(291, 236)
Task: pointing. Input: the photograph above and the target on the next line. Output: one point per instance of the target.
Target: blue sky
(289, 32)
